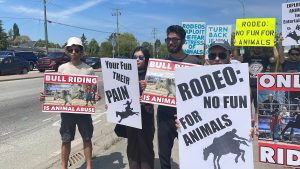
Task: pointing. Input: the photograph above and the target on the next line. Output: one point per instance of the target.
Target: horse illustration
(128, 111)
(223, 145)
(168, 84)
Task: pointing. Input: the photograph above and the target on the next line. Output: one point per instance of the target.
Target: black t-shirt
(289, 66)
(257, 64)
(166, 112)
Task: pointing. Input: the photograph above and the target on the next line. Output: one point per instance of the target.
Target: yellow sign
(255, 32)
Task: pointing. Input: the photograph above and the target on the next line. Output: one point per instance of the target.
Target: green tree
(106, 49)
(93, 48)
(127, 42)
(84, 42)
(16, 31)
(3, 38)
(163, 52)
(21, 39)
(42, 43)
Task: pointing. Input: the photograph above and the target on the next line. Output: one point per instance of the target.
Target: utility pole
(117, 13)
(45, 26)
(154, 32)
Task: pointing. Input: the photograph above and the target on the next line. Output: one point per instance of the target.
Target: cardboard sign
(216, 32)
(279, 118)
(215, 117)
(160, 80)
(121, 88)
(194, 39)
(70, 93)
(291, 23)
(255, 32)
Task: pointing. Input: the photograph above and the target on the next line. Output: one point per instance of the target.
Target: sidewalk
(31, 75)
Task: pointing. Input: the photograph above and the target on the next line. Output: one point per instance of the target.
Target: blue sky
(137, 16)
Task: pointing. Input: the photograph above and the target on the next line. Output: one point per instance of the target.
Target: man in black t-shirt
(258, 63)
(166, 116)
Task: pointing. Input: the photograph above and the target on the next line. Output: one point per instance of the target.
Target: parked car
(27, 55)
(12, 64)
(94, 62)
(52, 61)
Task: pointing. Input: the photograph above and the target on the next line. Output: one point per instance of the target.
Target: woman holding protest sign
(140, 151)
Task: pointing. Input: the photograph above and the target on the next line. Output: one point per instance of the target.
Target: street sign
(113, 42)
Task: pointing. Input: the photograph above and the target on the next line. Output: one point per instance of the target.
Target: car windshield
(55, 54)
(92, 59)
(5, 53)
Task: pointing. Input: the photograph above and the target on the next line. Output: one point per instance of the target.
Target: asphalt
(106, 139)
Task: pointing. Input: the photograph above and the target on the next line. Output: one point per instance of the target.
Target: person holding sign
(140, 151)
(258, 63)
(219, 53)
(74, 49)
(166, 115)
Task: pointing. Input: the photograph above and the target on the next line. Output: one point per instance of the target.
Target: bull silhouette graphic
(294, 36)
(128, 111)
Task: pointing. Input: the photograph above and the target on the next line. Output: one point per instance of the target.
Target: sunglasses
(213, 56)
(295, 54)
(174, 40)
(70, 50)
(141, 57)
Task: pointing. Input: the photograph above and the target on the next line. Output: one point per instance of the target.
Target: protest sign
(121, 89)
(215, 117)
(279, 118)
(70, 93)
(255, 32)
(160, 80)
(216, 32)
(291, 23)
(194, 39)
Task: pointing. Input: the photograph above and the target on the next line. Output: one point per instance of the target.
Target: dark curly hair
(178, 30)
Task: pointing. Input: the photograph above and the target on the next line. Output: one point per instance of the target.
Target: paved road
(29, 137)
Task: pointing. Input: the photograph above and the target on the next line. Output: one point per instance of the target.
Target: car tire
(41, 70)
(24, 71)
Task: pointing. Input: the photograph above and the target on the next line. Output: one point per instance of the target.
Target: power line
(59, 23)
(154, 32)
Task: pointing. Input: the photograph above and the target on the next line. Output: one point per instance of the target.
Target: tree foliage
(21, 39)
(16, 31)
(93, 48)
(84, 41)
(42, 43)
(3, 38)
(126, 41)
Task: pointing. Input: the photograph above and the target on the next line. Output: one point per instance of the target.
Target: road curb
(27, 76)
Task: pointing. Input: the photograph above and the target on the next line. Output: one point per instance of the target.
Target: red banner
(279, 81)
(279, 153)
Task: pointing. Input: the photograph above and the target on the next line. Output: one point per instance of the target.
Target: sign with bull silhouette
(291, 23)
(70, 93)
(214, 111)
(160, 80)
(121, 89)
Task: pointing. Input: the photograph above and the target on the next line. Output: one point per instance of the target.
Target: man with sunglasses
(74, 49)
(292, 63)
(219, 52)
(166, 116)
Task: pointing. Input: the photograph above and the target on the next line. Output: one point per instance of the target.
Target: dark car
(94, 62)
(52, 61)
(27, 55)
(12, 64)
